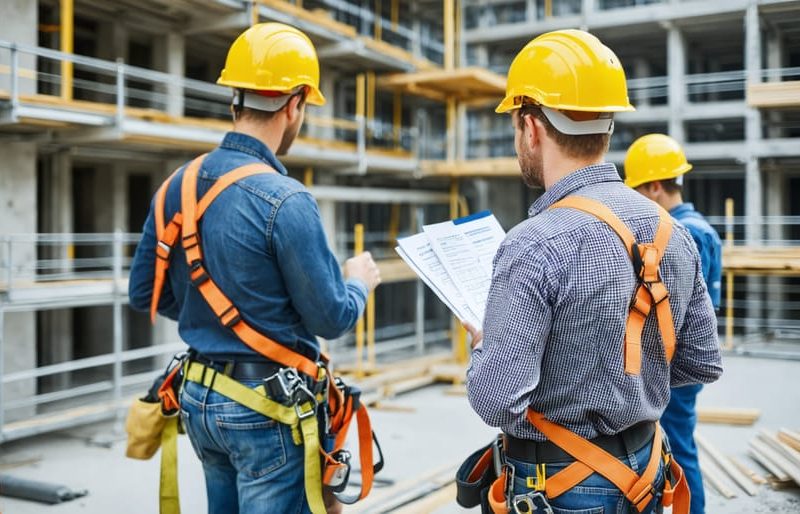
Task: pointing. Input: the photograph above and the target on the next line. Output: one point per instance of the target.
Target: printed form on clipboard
(454, 258)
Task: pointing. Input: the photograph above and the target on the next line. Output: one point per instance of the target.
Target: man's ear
(294, 107)
(533, 129)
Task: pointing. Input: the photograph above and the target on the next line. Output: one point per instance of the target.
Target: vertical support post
(729, 276)
(548, 9)
(397, 117)
(2, 366)
(67, 42)
(378, 30)
(371, 330)
(395, 14)
(676, 68)
(449, 34)
(117, 314)
(419, 312)
(452, 124)
(9, 268)
(459, 334)
(370, 86)
(308, 176)
(254, 14)
(120, 113)
(14, 79)
(361, 133)
(358, 248)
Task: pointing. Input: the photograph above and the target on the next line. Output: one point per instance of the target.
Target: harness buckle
(163, 250)
(200, 279)
(233, 320)
(531, 502)
(336, 479)
(282, 386)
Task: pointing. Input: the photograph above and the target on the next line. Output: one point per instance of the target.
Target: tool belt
(297, 391)
(485, 478)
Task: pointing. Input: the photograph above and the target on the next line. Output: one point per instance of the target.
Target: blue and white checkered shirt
(556, 314)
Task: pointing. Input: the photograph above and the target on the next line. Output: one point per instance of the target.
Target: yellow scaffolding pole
(729, 276)
(548, 8)
(67, 42)
(360, 94)
(459, 338)
(358, 243)
(452, 125)
(308, 176)
(254, 13)
(397, 117)
(378, 27)
(370, 100)
(395, 8)
(449, 34)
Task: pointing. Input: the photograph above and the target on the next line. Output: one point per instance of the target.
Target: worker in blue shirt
(265, 248)
(654, 166)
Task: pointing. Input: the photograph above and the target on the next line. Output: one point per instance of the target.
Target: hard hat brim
(633, 184)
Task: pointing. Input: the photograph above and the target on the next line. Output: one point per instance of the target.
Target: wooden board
(431, 502)
(468, 83)
(752, 475)
(395, 270)
(782, 468)
(728, 416)
(789, 438)
(774, 94)
(761, 260)
(725, 465)
(787, 458)
(713, 475)
(405, 491)
(492, 167)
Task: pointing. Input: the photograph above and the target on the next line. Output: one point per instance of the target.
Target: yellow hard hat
(567, 70)
(654, 157)
(273, 57)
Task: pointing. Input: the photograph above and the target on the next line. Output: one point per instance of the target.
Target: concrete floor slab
(424, 430)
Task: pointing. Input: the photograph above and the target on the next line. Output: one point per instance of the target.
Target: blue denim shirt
(708, 244)
(264, 245)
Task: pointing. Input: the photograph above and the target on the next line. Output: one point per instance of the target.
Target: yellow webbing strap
(251, 399)
(169, 501)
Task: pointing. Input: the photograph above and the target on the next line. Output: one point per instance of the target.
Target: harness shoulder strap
(650, 291)
(224, 309)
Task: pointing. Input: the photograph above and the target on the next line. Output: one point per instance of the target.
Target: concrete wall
(18, 205)
(18, 23)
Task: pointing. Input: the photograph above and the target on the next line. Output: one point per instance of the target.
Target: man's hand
(363, 268)
(475, 334)
(332, 505)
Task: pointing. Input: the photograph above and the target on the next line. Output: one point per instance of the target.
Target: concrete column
(753, 179)
(176, 66)
(753, 207)
(641, 69)
(461, 133)
(19, 24)
(588, 8)
(676, 70)
(775, 60)
(327, 209)
(18, 204)
(119, 187)
(481, 56)
(778, 194)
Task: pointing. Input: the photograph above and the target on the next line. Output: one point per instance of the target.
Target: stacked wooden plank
(779, 453)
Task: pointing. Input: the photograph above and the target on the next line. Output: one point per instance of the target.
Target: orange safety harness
(343, 401)
(477, 472)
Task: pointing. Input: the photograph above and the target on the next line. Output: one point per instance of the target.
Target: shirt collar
(594, 174)
(683, 208)
(239, 142)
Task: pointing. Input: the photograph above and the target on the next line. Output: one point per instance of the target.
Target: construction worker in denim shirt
(654, 166)
(264, 246)
(597, 306)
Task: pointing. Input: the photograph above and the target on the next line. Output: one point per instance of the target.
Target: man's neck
(672, 201)
(267, 134)
(556, 171)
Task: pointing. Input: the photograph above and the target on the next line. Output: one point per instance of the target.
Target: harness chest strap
(650, 291)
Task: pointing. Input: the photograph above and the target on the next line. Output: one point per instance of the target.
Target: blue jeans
(595, 495)
(679, 420)
(251, 464)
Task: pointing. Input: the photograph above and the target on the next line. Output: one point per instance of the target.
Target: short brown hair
(578, 147)
(671, 186)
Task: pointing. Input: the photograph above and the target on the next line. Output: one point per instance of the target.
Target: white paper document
(454, 258)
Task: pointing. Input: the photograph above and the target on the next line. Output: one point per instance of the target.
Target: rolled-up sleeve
(328, 305)
(697, 356)
(506, 369)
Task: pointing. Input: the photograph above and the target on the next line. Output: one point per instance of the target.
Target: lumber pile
(778, 453)
(727, 416)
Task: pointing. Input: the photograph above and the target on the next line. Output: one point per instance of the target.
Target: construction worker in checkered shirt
(654, 166)
(597, 305)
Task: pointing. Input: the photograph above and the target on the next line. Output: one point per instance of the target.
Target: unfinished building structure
(101, 99)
